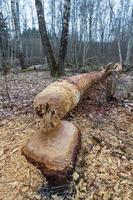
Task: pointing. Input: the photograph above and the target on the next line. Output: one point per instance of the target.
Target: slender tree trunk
(53, 16)
(64, 36)
(90, 35)
(102, 45)
(84, 48)
(16, 20)
(26, 52)
(130, 41)
(129, 48)
(119, 49)
(45, 39)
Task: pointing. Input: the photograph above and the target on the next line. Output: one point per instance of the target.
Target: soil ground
(104, 169)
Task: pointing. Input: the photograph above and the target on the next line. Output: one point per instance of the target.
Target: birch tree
(45, 39)
(18, 40)
(130, 40)
(64, 36)
(118, 28)
(4, 40)
(56, 69)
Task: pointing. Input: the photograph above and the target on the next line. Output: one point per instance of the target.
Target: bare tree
(16, 19)
(4, 40)
(54, 68)
(91, 11)
(45, 39)
(53, 16)
(64, 36)
(100, 31)
(118, 27)
(130, 40)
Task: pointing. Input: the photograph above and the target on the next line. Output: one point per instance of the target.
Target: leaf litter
(104, 169)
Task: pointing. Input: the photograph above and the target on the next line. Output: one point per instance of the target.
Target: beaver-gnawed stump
(54, 152)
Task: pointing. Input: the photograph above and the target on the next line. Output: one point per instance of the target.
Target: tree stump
(54, 152)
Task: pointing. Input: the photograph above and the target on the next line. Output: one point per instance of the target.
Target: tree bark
(61, 97)
(45, 39)
(55, 146)
(64, 36)
(130, 41)
(112, 82)
(119, 49)
(54, 152)
(16, 19)
(129, 48)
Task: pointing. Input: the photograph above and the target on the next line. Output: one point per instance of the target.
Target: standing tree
(118, 29)
(55, 69)
(64, 36)
(4, 40)
(16, 20)
(53, 16)
(130, 40)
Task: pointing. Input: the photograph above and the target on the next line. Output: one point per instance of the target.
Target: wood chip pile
(105, 165)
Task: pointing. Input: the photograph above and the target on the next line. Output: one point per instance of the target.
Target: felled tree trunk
(62, 96)
(55, 146)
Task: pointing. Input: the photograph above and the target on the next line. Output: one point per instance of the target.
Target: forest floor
(104, 169)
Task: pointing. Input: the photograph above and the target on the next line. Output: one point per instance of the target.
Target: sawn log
(60, 97)
(55, 146)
